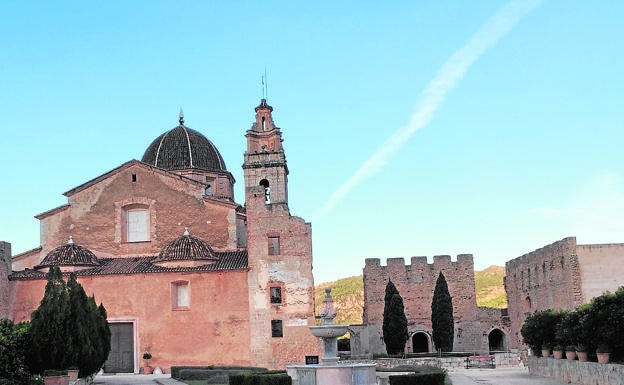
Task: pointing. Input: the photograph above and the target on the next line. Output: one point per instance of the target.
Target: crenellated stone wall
(416, 283)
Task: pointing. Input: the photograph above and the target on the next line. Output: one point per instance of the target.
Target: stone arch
(420, 342)
(497, 341)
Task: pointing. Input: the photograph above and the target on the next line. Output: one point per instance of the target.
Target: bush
(260, 379)
(436, 378)
(13, 342)
(539, 329)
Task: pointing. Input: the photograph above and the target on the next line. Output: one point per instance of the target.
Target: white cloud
(436, 92)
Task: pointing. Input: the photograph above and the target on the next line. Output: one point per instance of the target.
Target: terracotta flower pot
(72, 374)
(582, 356)
(558, 354)
(147, 370)
(603, 358)
(570, 355)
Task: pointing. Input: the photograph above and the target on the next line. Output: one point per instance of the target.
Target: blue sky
(521, 144)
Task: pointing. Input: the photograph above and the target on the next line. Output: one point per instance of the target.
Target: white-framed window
(180, 295)
(137, 225)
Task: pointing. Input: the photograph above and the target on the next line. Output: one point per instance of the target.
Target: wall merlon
(394, 262)
(418, 261)
(465, 259)
(441, 259)
(372, 262)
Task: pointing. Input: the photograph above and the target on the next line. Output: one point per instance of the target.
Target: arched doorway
(420, 342)
(496, 340)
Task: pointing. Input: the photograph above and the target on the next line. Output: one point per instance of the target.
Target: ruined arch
(497, 340)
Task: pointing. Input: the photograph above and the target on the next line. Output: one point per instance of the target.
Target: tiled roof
(228, 260)
(69, 254)
(187, 248)
(183, 148)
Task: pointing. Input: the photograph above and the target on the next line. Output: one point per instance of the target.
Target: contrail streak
(435, 93)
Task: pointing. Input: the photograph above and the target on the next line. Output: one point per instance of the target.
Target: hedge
(418, 379)
(260, 379)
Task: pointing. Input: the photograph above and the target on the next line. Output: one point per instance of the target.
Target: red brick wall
(292, 268)
(94, 217)
(547, 278)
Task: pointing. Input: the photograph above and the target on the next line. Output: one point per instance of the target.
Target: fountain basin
(329, 331)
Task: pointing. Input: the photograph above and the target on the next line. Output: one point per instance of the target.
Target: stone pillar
(5, 270)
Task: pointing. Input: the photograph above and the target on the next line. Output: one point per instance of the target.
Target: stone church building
(185, 272)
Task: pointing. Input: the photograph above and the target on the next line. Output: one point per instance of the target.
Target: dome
(183, 148)
(187, 248)
(69, 255)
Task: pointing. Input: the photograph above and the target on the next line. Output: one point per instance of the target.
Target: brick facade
(562, 275)
(416, 284)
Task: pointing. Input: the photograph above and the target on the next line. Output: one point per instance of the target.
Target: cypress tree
(48, 326)
(70, 331)
(442, 321)
(394, 321)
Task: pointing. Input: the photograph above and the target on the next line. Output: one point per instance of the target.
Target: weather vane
(265, 84)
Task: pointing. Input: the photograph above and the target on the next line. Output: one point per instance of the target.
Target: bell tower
(265, 161)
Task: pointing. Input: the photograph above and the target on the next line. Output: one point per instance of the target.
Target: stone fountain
(330, 372)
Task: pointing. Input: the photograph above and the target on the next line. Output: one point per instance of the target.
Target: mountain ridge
(348, 294)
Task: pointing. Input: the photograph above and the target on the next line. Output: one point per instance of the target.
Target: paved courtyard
(459, 377)
(499, 377)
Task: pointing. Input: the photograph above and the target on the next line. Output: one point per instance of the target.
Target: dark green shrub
(179, 372)
(394, 321)
(13, 342)
(442, 322)
(436, 378)
(539, 329)
(260, 379)
(68, 328)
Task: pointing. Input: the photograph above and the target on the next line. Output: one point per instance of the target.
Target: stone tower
(281, 287)
(265, 161)
(5, 270)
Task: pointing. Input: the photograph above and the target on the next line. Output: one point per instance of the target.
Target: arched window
(267, 191)
(527, 304)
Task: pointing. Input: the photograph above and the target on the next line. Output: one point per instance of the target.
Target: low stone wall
(577, 372)
(502, 360)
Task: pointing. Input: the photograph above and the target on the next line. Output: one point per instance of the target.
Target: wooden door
(121, 357)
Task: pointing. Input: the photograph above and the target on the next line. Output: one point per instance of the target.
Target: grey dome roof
(69, 254)
(187, 248)
(183, 148)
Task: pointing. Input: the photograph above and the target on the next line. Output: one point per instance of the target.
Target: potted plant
(545, 350)
(72, 373)
(581, 352)
(55, 377)
(147, 369)
(558, 352)
(603, 351)
(570, 352)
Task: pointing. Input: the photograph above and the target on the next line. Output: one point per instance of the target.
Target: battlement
(564, 247)
(439, 261)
